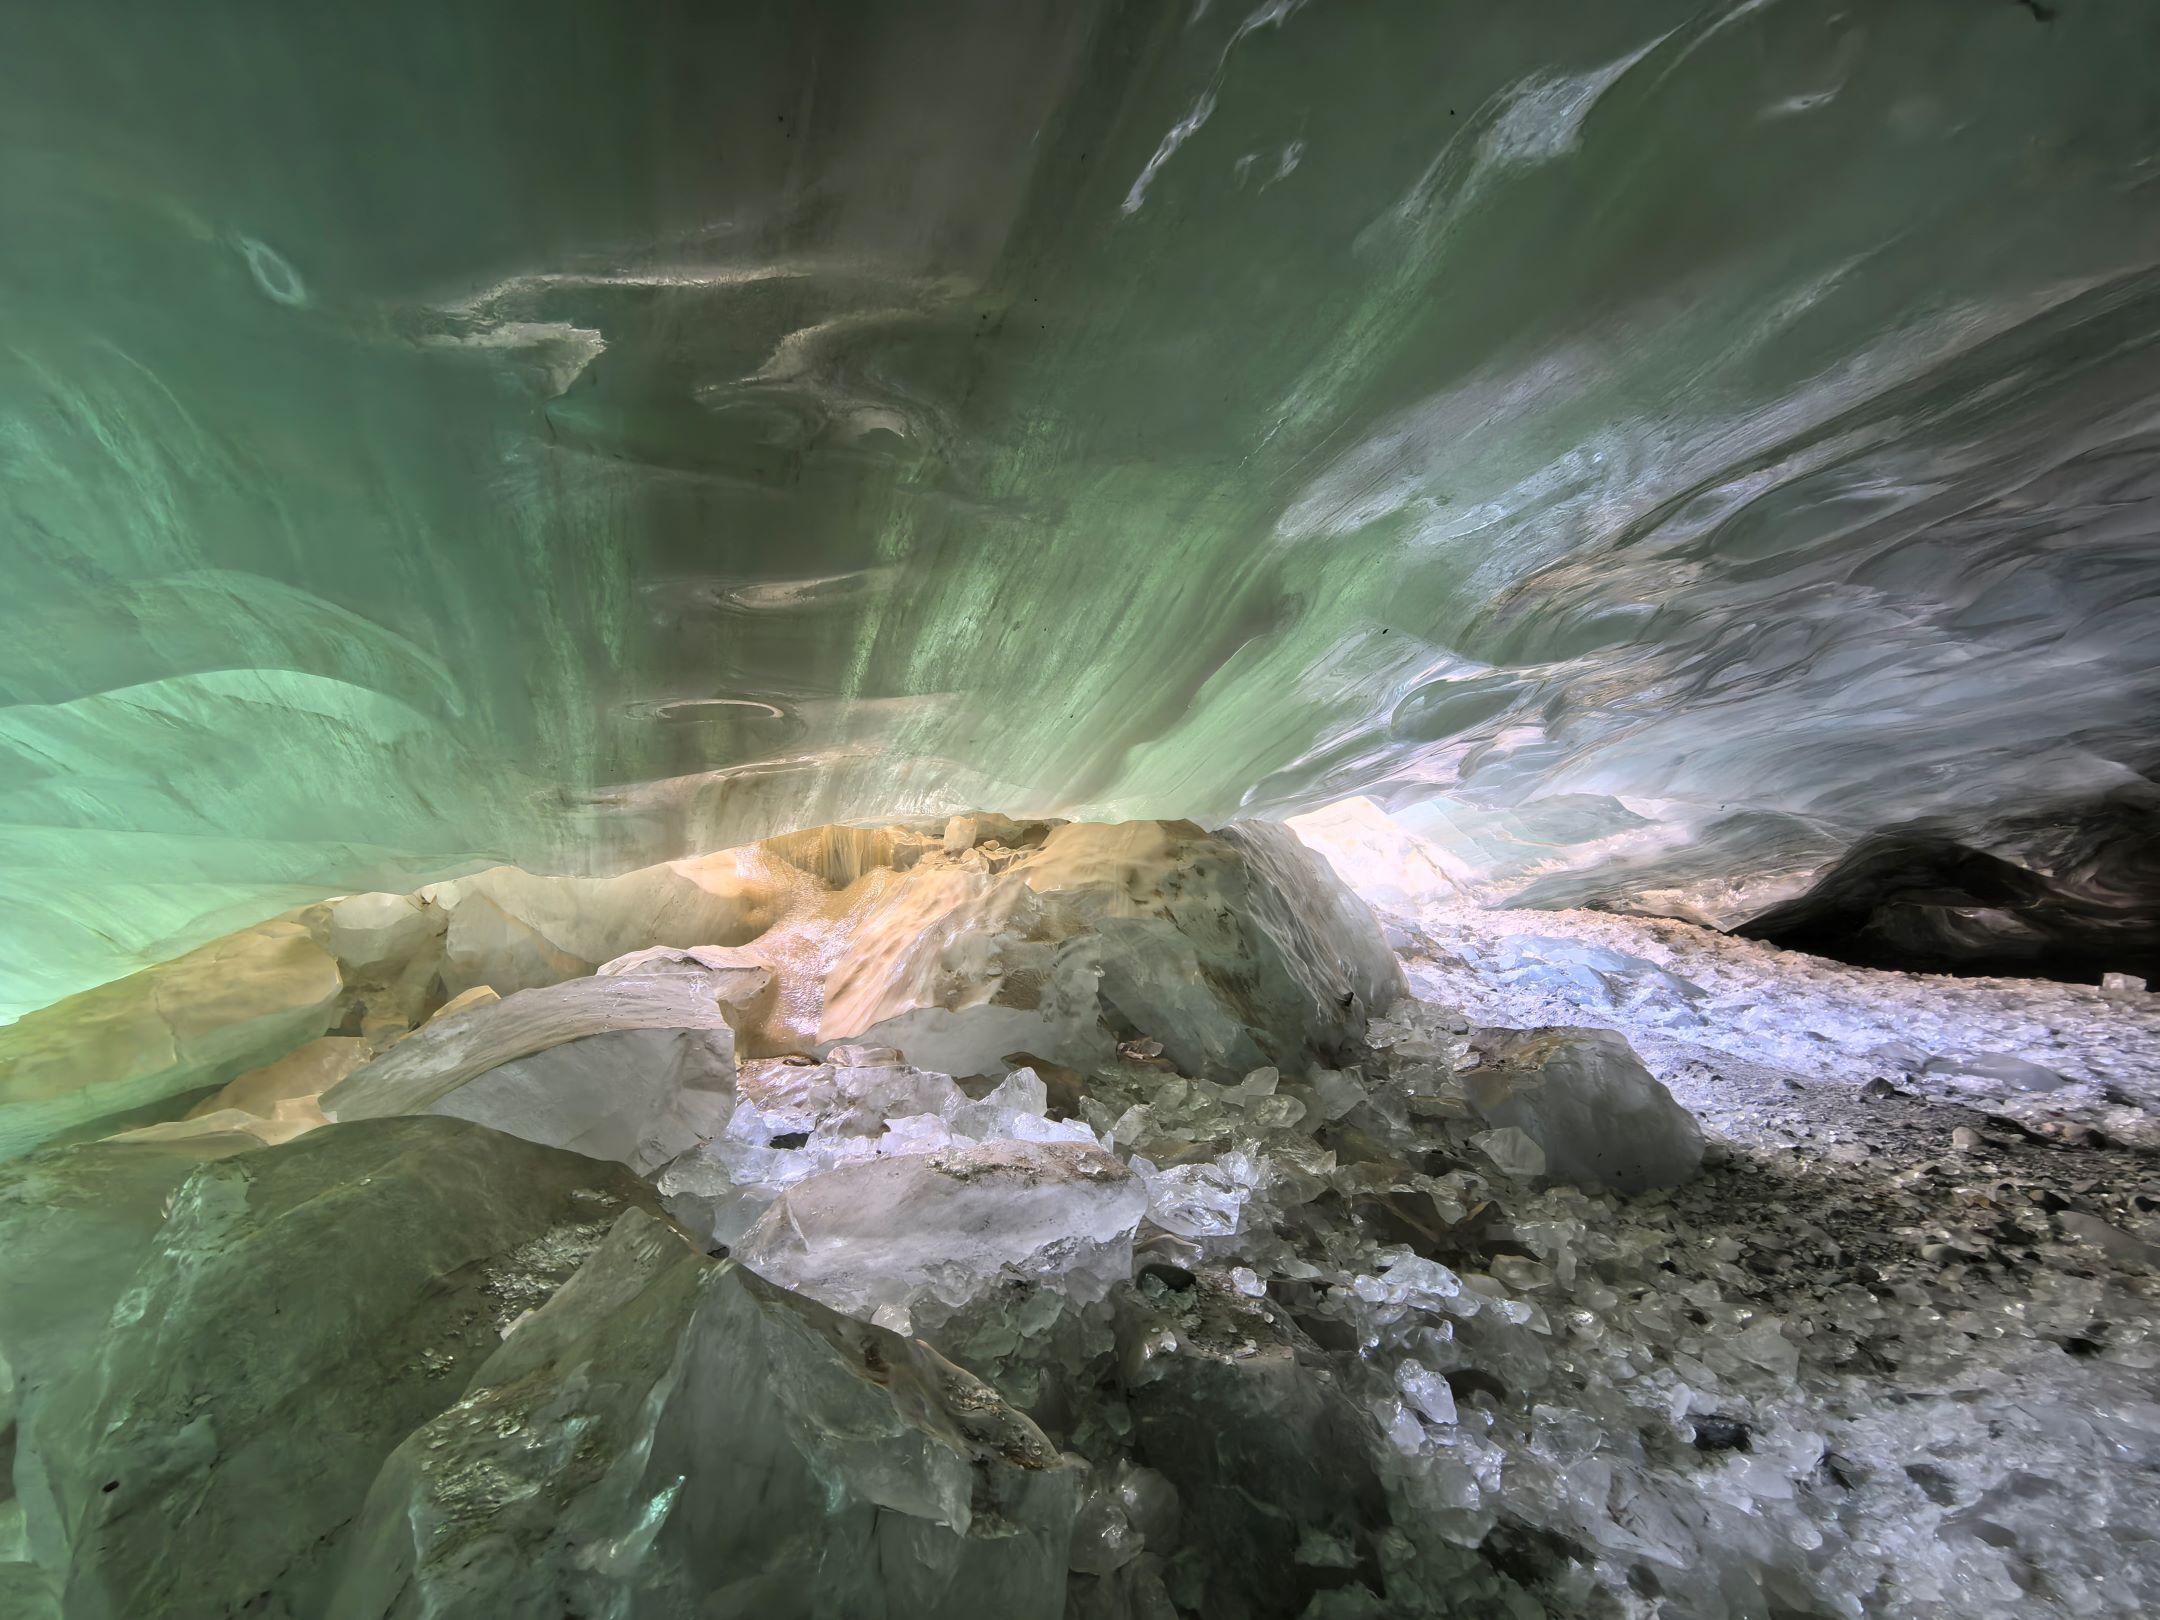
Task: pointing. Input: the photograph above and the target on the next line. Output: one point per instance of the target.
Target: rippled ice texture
(1686, 436)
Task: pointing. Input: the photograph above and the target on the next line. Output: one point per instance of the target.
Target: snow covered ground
(1708, 1011)
(1941, 1192)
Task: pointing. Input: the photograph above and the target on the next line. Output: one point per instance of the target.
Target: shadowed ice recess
(1677, 457)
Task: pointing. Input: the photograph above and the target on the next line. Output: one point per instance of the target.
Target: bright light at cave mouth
(1328, 809)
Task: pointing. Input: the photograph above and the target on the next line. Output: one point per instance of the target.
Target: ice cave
(1079, 809)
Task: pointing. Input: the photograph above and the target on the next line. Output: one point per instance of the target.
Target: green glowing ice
(574, 435)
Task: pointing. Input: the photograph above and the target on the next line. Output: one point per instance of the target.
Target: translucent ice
(884, 1237)
(1582, 1097)
(667, 1429)
(204, 1425)
(634, 1067)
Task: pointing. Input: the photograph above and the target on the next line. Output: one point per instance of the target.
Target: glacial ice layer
(1672, 449)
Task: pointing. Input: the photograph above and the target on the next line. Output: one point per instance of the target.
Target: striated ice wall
(1671, 444)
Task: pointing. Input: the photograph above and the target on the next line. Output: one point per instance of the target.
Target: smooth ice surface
(1666, 440)
(635, 1068)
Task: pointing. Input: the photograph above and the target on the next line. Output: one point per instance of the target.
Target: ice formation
(1690, 457)
(1059, 808)
(1556, 1263)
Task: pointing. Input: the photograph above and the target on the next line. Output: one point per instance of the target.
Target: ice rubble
(1238, 1282)
(883, 1237)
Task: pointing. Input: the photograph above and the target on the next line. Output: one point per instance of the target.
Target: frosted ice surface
(884, 1237)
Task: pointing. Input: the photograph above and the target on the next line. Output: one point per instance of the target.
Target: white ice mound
(632, 1067)
(1233, 949)
(882, 1238)
(1581, 1096)
(1380, 858)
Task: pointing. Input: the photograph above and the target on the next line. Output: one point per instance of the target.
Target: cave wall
(433, 436)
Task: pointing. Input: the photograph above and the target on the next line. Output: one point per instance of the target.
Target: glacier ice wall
(1675, 442)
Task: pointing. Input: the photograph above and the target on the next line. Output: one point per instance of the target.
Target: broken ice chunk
(636, 1068)
(293, 1313)
(742, 980)
(1513, 1150)
(1201, 1200)
(1411, 1280)
(1105, 1539)
(1997, 1067)
(853, 1095)
(668, 1435)
(1338, 1091)
(1427, 1391)
(890, 1234)
(1595, 1111)
(1765, 1345)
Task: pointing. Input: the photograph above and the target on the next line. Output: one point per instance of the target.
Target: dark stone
(1715, 1433)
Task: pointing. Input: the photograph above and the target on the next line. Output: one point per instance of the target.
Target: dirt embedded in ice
(1905, 1322)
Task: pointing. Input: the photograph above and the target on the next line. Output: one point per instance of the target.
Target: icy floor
(1942, 1191)
(1448, 1311)
(1690, 998)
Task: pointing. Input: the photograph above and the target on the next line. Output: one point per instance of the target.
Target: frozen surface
(1622, 1270)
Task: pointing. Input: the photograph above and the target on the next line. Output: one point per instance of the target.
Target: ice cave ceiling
(1668, 450)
